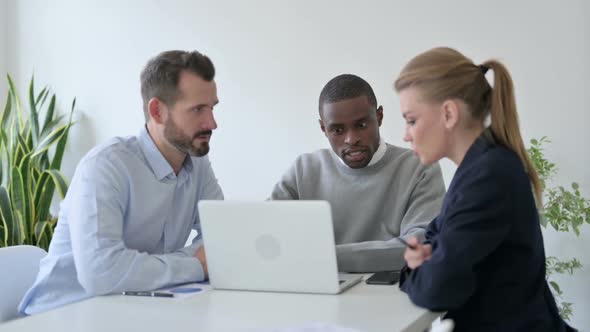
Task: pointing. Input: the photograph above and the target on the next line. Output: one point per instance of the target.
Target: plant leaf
(18, 197)
(44, 233)
(19, 236)
(48, 141)
(7, 216)
(555, 286)
(60, 181)
(1, 163)
(3, 229)
(29, 215)
(34, 116)
(22, 143)
(49, 126)
(41, 97)
(50, 179)
(43, 196)
(5, 118)
(49, 115)
(7, 161)
(542, 219)
(61, 145)
(16, 102)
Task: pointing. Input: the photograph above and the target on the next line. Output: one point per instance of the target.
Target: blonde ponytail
(505, 124)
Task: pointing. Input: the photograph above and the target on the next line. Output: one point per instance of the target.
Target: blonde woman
(483, 260)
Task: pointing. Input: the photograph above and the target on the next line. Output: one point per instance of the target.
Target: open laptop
(283, 246)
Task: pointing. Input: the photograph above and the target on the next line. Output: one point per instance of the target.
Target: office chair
(20, 265)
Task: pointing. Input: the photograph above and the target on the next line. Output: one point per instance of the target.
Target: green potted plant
(31, 153)
(565, 210)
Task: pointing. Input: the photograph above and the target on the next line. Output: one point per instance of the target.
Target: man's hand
(418, 255)
(200, 254)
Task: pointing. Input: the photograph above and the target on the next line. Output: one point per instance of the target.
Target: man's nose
(209, 122)
(351, 137)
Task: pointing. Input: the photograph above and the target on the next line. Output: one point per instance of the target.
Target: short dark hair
(161, 74)
(346, 86)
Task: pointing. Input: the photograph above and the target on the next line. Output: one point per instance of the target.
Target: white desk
(370, 308)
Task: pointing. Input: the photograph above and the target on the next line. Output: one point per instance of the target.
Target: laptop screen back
(270, 245)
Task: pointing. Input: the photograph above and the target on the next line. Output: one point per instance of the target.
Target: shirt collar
(155, 159)
(376, 156)
(379, 153)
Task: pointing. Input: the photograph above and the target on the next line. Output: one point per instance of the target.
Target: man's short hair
(161, 74)
(346, 86)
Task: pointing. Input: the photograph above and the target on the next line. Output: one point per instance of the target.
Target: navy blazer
(487, 268)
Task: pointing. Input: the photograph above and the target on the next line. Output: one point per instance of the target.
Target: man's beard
(184, 143)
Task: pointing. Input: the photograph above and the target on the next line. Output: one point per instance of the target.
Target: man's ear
(322, 127)
(450, 113)
(379, 115)
(155, 110)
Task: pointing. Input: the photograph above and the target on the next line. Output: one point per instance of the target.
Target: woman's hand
(417, 253)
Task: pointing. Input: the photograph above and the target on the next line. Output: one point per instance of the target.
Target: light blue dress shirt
(123, 225)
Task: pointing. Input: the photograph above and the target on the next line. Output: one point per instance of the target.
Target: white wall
(273, 57)
(3, 50)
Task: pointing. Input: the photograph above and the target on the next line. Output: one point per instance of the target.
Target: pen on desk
(152, 294)
(400, 239)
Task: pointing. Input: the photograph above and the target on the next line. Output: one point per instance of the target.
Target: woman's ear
(450, 113)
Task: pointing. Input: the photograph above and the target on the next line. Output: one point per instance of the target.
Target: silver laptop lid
(283, 246)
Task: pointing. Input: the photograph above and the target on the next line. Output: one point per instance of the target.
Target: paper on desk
(187, 290)
(310, 327)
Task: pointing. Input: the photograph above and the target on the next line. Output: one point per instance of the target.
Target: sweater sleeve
(286, 188)
(422, 207)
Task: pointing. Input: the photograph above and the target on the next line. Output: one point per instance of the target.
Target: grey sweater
(370, 206)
